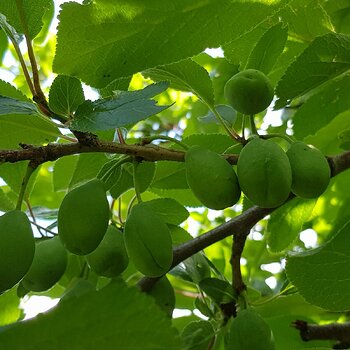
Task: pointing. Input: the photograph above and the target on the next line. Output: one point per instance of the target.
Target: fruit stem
(164, 137)
(136, 184)
(252, 125)
(285, 137)
(231, 131)
(30, 169)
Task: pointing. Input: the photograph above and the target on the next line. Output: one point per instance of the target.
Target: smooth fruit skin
(83, 217)
(310, 170)
(148, 241)
(17, 248)
(264, 173)
(110, 258)
(164, 295)
(211, 178)
(249, 91)
(249, 331)
(49, 265)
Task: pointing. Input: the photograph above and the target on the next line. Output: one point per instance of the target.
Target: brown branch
(238, 243)
(53, 151)
(332, 331)
(241, 223)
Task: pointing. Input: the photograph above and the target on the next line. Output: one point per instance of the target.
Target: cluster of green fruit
(37, 265)
(266, 174)
(82, 226)
(83, 229)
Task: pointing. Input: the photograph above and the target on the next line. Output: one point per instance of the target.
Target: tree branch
(241, 223)
(53, 151)
(332, 331)
(238, 243)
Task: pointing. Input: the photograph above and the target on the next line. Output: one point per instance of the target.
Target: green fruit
(164, 295)
(148, 241)
(49, 264)
(83, 217)
(249, 331)
(249, 91)
(110, 258)
(211, 178)
(310, 170)
(17, 248)
(264, 173)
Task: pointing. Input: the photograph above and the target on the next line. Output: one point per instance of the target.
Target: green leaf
(115, 86)
(63, 171)
(267, 50)
(110, 172)
(12, 106)
(105, 319)
(306, 19)
(170, 175)
(220, 291)
(66, 94)
(9, 307)
(322, 274)
(226, 112)
(321, 108)
(215, 142)
(144, 174)
(6, 203)
(99, 48)
(124, 183)
(185, 75)
(28, 129)
(26, 15)
(3, 46)
(9, 30)
(87, 167)
(327, 57)
(286, 223)
(169, 209)
(183, 196)
(125, 108)
(8, 90)
(344, 138)
(197, 335)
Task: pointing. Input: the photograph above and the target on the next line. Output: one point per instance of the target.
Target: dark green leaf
(226, 112)
(267, 50)
(287, 221)
(322, 274)
(220, 291)
(327, 57)
(113, 87)
(185, 75)
(125, 108)
(321, 108)
(12, 106)
(97, 320)
(66, 94)
(169, 209)
(144, 175)
(197, 335)
(9, 90)
(26, 16)
(139, 37)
